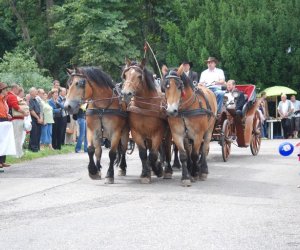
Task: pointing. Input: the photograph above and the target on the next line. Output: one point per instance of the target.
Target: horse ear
(180, 70)
(127, 62)
(69, 72)
(143, 63)
(76, 70)
(164, 70)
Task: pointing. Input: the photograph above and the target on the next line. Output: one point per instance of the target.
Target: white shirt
(209, 76)
(285, 107)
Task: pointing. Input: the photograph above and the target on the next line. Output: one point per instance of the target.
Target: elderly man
(214, 78)
(285, 109)
(37, 121)
(236, 96)
(295, 116)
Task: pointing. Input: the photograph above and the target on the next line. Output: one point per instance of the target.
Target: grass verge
(28, 155)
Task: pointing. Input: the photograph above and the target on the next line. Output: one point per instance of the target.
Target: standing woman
(46, 136)
(7, 142)
(58, 120)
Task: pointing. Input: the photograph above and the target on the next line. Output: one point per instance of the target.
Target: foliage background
(255, 41)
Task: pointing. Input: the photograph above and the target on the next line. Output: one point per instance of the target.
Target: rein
(116, 94)
(155, 109)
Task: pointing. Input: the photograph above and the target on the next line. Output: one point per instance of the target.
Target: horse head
(133, 76)
(79, 90)
(174, 88)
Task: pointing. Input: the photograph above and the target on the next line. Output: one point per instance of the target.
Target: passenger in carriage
(235, 96)
(214, 79)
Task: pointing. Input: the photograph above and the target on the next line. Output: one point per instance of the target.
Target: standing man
(214, 78)
(62, 99)
(285, 110)
(37, 121)
(189, 73)
(295, 116)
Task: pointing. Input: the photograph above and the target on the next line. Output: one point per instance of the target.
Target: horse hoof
(194, 178)
(96, 176)
(109, 180)
(121, 172)
(186, 183)
(145, 180)
(203, 177)
(168, 175)
(176, 165)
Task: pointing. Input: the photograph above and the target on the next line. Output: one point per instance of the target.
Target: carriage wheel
(256, 135)
(131, 146)
(225, 143)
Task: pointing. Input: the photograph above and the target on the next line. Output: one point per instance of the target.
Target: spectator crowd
(41, 116)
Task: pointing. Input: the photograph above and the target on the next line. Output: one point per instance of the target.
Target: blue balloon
(286, 149)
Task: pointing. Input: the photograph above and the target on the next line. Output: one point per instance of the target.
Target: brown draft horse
(192, 115)
(105, 117)
(148, 124)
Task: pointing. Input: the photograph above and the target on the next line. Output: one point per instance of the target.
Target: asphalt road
(247, 203)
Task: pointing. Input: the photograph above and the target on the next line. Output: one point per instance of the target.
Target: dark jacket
(240, 100)
(193, 76)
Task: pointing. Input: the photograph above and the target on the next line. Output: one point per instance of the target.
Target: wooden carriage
(242, 130)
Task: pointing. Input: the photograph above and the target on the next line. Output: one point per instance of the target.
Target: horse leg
(109, 178)
(185, 179)
(146, 171)
(124, 144)
(94, 172)
(195, 170)
(187, 147)
(176, 163)
(168, 172)
(203, 162)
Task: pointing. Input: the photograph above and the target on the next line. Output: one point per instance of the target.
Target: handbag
(23, 105)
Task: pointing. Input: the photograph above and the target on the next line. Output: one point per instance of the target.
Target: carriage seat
(250, 95)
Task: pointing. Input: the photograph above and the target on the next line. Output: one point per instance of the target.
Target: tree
(20, 67)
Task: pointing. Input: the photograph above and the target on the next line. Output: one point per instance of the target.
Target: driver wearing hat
(213, 78)
(189, 73)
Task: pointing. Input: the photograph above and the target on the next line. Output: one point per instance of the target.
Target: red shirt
(13, 103)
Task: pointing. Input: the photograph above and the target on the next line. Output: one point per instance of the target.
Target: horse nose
(175, 111)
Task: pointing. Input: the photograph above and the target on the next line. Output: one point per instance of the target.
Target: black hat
(187, 62)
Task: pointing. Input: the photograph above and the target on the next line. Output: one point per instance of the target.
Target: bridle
(180, 85)
(82, 84)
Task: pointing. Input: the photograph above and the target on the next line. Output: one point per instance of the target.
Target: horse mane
(97, 76)
(149, 79)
